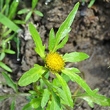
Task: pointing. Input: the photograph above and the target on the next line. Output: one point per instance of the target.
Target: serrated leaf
(28, 16)
(40, 49)
(7, 22)
(63, 42)
(34, 3)
(45, 98)
(22, 11)
(65, 27)
(31, 76)
(65, 89)
(75, 57)
(9, 81)
(73, 76)
(51, 40)
(13, 104)
(9, 51)
(38, 13)
(98, 99)
(5, 67)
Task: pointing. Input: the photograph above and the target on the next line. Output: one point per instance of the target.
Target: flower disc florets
(54, 62)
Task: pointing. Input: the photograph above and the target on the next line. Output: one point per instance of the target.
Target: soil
(90, 34)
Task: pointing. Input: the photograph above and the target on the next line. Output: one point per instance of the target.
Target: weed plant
(55, 95)
(9, 28)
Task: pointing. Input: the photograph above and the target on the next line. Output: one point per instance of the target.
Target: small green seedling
(90, 4)
(30, 11)
(55, 95)
(7, 13)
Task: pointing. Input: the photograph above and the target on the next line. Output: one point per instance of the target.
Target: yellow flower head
(54, 62)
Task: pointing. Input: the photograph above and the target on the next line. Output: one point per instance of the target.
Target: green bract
(57, 94)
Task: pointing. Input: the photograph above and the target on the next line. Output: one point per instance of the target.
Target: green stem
(49, 85)
(35, 88)
(14, 95)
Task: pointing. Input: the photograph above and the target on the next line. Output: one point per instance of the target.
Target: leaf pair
(29, 12)
(62, 33)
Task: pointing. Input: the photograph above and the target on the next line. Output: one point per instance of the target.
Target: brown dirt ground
(90, 34)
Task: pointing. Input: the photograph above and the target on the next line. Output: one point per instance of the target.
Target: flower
(54, 62)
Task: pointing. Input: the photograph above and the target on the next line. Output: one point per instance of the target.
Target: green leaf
(5, 67)
(28, 16)
(59, 90)
(39, 108)
(13, 105)
(9, 51)
(7, 22)
(65, 89)
(2, 56)
(98, 99)
(19, 21)
(48, 106)
(91, 3)
(56, 98)
(75, 70)
(10, 38)
(13, 9)
(22, 11)
(7, 33)
(17, 40)
(40, 49)
(1, 4)
(3, 97)
(45, 98)
(83, 1)
(35, 103)
(38, 13)
(31, 76)
(55, 105)
(75, 57)
(9, 81)
(63, 42)
(73, 76)
(27, 107)
(34, 3)
(65, 27)
(7, 7)
(51, 40)
(56, 81)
